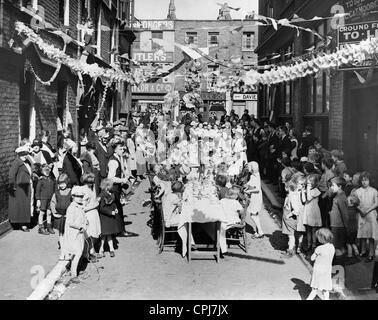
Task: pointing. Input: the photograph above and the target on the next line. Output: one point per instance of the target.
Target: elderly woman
(21, 190)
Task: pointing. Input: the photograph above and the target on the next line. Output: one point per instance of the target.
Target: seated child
(221, 182)
(231, 206)
(172, 204)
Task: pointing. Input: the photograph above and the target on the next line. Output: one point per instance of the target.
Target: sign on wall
(355, 33)
(154, 25)
(161, 88)
(156, 56)
(358, 7)
(245, 97)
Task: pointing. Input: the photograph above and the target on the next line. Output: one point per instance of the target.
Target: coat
(72, 168)
(19, 205)
(103, 158)
(110, 224)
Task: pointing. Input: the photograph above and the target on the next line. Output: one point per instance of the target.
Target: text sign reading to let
(153, 56)
(245, 96)
(355, 33)
(153, 88)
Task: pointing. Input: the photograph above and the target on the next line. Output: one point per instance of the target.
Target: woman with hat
(20, 206)
(71, 165)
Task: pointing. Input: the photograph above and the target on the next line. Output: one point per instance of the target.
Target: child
(300, 181)
(253, 189)
(353, 203)
(44, 192)
(221, 182)
(311, 216)
(349, 184)
(289, 218)
(367, 221)
(231, 206)
(339, 215)
(90, 208)
(108, 217)
(76, 226)
(321, 280)
(172, 204)
(60, 201)
(340, 166)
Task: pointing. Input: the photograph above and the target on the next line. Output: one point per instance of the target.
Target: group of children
(80, 216)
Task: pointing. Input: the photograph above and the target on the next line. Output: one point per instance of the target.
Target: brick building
(226, 40)
(28, 106)
(336, 104)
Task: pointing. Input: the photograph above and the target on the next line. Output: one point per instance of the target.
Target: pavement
(358, 274)
(139, 272)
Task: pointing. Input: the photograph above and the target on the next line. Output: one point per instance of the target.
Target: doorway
(362, 130)
(26, 107)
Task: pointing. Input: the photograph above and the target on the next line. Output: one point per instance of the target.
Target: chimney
(171, 11)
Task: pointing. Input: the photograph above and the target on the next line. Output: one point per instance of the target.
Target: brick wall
(336, 113)
(9, 111)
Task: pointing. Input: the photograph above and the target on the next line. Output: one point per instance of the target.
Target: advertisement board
(157, 88)
(144, 56)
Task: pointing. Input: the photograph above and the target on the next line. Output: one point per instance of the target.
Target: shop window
(191, 37)
(212, 39)
(248, 41)
(156, 35)
(318, 92)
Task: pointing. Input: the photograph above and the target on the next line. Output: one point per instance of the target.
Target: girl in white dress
(321, 280)
(91, 203)
(367, 220)
(131, 160)
(256, 199)
(240, 146)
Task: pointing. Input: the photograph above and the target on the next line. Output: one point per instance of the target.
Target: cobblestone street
(139, 272)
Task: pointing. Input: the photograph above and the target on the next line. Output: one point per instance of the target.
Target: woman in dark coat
(20, 190)
(71, 165)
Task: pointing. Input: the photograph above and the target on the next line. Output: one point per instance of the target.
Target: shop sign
(245, 97)
(153, 56)
(357, 8)
(161, 88)
(354, 33)
(154, 24)
(213, 96)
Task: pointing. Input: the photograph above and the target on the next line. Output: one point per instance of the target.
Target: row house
(34, 93)
(341, 109)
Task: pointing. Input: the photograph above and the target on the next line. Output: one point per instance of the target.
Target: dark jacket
(45, 188)
(103, 158)
(72, 168)
(339, 212)
(284, 145)
(307, 142)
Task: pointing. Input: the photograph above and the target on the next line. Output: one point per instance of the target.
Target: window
(64, 12)
(124, 10)
(212, 39)
(33, 4)
(248, 41)
(156, 35)
(136, 43)
(86, 10)
(319, 94)
(288, 97)
(191, 37)
(270, 12)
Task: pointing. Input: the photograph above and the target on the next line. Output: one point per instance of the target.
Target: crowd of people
(80, 192)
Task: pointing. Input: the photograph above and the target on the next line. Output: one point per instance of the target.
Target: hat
(78, 191)
(22, 151)
(37, 142)
(304, 159)
(122, 120)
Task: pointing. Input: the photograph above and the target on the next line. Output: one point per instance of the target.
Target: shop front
(245, 101)
(150, 96)
(212, 103)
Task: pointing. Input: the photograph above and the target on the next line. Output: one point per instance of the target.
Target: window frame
(209, 36)
(34, 4)
(245, 41)
(193, 34)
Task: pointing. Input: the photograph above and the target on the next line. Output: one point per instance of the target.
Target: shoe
(288, 254)
(92, 258)
(50, 229)
(99, 255)
(25, 229)
(128, 234)
(42, 230)
(112, 255)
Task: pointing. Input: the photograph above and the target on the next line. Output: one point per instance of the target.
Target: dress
(73, 239)
(94, 226)
(289, 224)
(367, 226)
(230, 209)
(110, 224)
(140, 161)
(256, 199)
(322, 271)
(298, 207)
(311, 214)
(60, 201)
(171, 204)
(131, 162)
